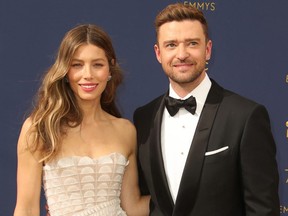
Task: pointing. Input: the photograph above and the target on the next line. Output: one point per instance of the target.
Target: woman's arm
(29, 174)
(131, 200)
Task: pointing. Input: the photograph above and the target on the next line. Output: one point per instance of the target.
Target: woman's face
(88, 73)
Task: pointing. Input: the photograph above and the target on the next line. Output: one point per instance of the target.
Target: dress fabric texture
(83, 186)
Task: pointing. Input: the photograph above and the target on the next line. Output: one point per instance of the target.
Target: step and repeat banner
(249, 56)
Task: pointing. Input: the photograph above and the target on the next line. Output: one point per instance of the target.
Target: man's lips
(183, 66)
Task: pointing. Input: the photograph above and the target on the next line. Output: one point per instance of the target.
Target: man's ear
(157, 52)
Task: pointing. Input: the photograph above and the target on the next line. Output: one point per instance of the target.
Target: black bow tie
(173, 105)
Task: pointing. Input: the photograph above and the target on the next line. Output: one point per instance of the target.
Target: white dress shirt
(177, 133)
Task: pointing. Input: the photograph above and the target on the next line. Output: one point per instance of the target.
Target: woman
(74, 138)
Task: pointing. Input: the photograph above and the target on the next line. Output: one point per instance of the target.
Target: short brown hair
(179, 12)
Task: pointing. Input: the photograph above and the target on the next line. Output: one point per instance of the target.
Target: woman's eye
(98, 65)
(76, 65)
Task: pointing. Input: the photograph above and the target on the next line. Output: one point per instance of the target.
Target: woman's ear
(113, 62)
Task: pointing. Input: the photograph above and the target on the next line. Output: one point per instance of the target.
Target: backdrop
(249, 56)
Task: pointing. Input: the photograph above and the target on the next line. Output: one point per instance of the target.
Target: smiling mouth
(88, 87)
(183, 66)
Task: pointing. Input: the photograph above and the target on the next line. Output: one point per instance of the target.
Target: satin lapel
(157, 166)
(192, 171)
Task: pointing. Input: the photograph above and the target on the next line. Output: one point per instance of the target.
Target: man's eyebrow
(177, 41)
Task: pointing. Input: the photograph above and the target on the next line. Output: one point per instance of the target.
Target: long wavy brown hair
(55, 104)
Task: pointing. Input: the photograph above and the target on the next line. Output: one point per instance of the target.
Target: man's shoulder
(151, 104)
(232, 96)
(232, 102)
(148, 110)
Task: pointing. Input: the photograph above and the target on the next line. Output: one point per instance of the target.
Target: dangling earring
(109, 78)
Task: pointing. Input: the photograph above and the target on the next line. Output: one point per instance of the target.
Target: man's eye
(193, 43)
(171, 45)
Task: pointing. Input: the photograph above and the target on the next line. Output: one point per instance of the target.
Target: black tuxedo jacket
(239, 179)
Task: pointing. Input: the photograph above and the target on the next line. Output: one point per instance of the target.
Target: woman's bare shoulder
(124, 124)
(25, 136)
(27, 123)
(26, 126)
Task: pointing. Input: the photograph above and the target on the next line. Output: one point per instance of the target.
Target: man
(217, 160)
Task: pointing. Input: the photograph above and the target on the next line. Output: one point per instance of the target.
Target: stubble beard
(185, 77)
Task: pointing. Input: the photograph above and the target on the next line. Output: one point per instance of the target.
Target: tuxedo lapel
(193, 168)
(161, 187)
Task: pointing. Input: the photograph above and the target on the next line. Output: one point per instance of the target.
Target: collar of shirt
(200, 93)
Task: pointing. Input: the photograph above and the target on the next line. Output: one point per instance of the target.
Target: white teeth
(88, 86)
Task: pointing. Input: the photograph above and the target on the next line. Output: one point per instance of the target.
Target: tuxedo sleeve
(141, 177)
(258, 166)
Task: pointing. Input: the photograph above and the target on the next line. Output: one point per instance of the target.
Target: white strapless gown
(82, 186)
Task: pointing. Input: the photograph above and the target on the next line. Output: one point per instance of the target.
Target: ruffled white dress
(82, 186)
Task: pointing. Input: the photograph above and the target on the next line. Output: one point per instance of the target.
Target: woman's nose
(87, 72)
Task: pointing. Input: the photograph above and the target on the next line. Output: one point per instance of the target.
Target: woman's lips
(88, 87)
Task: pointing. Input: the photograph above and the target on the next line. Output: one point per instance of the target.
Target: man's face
(182, 50)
